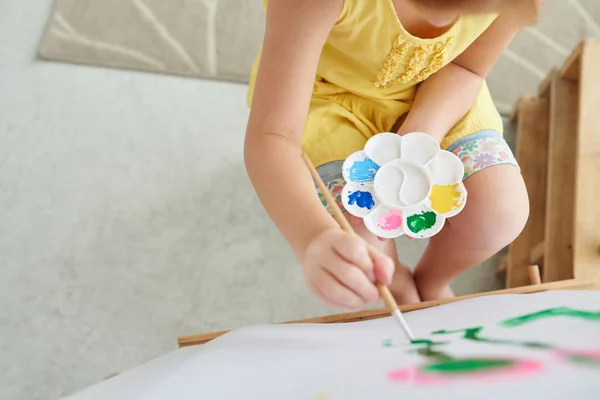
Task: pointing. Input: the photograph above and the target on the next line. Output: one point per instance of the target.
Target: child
(333, 73)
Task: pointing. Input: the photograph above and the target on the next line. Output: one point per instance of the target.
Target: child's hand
(340, 267)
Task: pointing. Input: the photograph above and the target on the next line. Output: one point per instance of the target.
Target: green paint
(419, 342)
(585, 361)
(552, 312)
(466, 365)
(440, 362)
(433, 354)
(426, 342)
(474, 335)
(420, 222)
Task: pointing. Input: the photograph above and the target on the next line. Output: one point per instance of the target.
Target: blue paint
(362, 199)
(363, 171)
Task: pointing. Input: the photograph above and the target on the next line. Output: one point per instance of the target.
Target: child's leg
(496, 211)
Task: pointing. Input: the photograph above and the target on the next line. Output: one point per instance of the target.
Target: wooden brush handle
(388, 299)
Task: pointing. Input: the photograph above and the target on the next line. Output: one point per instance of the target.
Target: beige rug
(219, 39)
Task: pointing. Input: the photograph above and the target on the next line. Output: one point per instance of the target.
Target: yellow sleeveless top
(370, 55)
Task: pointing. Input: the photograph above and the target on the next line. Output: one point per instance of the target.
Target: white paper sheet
(372, 360)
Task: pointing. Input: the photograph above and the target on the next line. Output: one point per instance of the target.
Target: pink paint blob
(390, 221)
(521, 369)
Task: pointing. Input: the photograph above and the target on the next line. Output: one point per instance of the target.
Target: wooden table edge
(193, 340)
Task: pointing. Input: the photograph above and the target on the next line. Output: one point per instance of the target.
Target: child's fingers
(353, 249)
(383, 266)
(323, 297)
(353, 278)
(337, 293)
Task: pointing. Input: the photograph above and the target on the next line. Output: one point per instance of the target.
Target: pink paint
(390, 221)
(521, 369)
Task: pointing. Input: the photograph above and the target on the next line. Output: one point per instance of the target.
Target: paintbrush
(384, 291)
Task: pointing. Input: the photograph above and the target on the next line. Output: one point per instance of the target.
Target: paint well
(390, 221)
(446, 168)
(419, 147)
(446, 198)
(421, 222)
(383, 222)
(363, 171)
(401, 184)
(384, 147)
(361, 199)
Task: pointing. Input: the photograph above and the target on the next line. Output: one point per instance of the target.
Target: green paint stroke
(474, 335)
(552, 312)
(439, 356)
(426, 342)
(426, 351)
(421, 342)
(585, 361)
(466, 366)
(421, 222)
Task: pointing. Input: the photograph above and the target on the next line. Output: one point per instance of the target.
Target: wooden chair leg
(534, 275)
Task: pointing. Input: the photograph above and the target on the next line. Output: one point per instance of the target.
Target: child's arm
(451, 92)
(295, 34)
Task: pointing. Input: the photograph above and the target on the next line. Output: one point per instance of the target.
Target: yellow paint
(444, 198)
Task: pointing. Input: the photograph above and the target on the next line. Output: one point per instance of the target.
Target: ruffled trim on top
(414, 71)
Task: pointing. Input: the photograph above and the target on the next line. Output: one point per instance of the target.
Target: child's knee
(513, 217)
(497, 207)
(508, 215)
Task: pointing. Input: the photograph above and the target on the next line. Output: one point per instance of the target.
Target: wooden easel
(536, 286)
(558, 148)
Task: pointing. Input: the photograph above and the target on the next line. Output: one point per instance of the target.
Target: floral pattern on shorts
(335, 188)
(482, 150)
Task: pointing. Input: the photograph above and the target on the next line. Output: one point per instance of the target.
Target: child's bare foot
(403, 287)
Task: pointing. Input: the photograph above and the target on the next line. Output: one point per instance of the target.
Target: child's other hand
(340, 268)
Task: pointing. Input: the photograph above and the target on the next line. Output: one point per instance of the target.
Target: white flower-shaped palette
(403, 185)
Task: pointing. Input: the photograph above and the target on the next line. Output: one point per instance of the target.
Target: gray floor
(127, 220)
